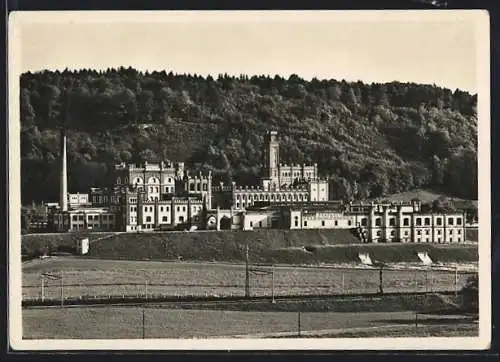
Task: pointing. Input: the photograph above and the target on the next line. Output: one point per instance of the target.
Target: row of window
(438, 232)
(166, 208)
(91, 226)
(419, 232)
(295, 174)
(151, 180)
(336, 222)
(164, 219)
(406, 221)
(103, 199)
(192, 187)
(418, 221)
(364, 223)
(92, 217)
(156, 189)
(282, 197)
(438, 240)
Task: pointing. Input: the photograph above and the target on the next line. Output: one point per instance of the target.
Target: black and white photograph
(249, 180)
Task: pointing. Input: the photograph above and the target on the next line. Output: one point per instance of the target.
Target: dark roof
(311, 206)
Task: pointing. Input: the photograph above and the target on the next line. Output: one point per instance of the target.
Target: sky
(423, 47)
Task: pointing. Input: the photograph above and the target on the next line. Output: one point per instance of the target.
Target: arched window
(125, 180)
(118, 181)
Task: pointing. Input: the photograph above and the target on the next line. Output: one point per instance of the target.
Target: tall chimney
(63, 197)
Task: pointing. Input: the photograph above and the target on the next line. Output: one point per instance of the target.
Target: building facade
(279, 182)
(166, 196)
(96, 219)
(370, 222)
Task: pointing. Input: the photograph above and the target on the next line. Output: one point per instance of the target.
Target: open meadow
(127, 323)
(331, 246)
(102, 278)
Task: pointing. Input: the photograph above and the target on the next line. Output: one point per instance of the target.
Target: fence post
(343, 283)
(272, 291)
(43, 291)
(456, 280)
(247, 274)
(298, 323)
(143, 324)
(62, 289)
(146, 290)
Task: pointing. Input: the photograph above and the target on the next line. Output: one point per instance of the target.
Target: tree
(27, 110)
(438, 170)
(470, 294)
(412, 135)
(25, 220)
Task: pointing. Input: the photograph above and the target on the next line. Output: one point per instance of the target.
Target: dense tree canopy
(370, 139)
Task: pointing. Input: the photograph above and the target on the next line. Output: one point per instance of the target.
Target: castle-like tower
(277, 176)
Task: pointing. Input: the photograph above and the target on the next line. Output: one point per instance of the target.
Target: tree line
(371, 140)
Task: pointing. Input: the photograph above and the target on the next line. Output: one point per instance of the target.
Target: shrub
(470, 294)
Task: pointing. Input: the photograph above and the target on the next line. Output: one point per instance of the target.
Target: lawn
(94, 277)
(126, 322)
(266, 246)
(425, 330)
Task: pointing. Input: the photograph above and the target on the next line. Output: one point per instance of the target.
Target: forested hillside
(371, 139)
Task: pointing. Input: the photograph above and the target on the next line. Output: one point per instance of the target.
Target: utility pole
(43, 287)
(381, 280)
(247, 274)
(272, 290)
(298, 323)
(143, 324)
(62, 289)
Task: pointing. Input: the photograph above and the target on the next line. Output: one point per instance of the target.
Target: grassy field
(432, 302)
(427, 196)
(126, 322)
(36, 244)
(405, 330)
(96, 277)
(266, 246)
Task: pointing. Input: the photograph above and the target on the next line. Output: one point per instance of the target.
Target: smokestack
(63, 197)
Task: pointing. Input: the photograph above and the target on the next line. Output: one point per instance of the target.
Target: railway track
(212, 301)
